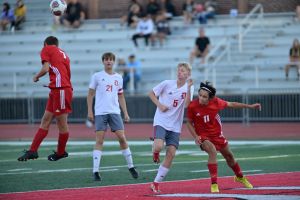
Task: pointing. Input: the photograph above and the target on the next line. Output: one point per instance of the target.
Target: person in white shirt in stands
(144, 29)
(170, 97)
(107, 86)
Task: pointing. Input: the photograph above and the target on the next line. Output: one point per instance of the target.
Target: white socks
(127, 155)
(161, 174)
(96, 160)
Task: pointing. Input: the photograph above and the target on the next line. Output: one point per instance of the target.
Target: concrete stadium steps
(267, 49)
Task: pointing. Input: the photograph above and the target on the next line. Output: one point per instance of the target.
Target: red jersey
(205, 118)
(59, 62)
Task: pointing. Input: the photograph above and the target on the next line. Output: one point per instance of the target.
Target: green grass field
(76, 170)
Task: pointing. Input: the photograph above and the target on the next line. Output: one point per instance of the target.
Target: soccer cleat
(55, 156)
(28, 155)
(244, 181)
(214, 188)
(97, 176)
(133, 172)
(156, 157)
(155, 187)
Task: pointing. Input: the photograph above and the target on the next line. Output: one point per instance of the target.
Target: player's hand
(89, 123)
(90, 117)
(126, 118)
(163, 108)
(198, 140)
(190, 82)
(35, 79)
(256, 106)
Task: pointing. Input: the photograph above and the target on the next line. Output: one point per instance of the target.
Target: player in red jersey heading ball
(55, 62)
(204, 124)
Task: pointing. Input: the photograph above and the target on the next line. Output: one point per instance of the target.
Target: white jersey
(174, 98)
(107, 87)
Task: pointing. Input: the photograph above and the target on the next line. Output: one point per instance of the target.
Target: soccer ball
(58, 7)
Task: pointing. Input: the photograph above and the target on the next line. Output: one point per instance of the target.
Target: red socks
(62, 141)
(156, 157)
(237, 170)
(38, 138)
(213, 171)
(41, 134)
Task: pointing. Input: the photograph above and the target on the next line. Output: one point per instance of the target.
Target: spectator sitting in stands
(132, 16)
(201, 48)
(133, 66)
(74, 14)
(169, 8)
(152, 9)
(188, 11)
(162, 28)
(7, 17)
(20, 14)
(144, 29)
(209, 12)
(121, 66)
(294, 58)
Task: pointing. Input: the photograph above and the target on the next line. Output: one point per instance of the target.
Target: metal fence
(277, 105)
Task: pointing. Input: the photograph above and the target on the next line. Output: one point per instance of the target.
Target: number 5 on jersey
(175, 103)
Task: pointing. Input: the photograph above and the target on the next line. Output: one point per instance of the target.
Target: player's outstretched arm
(242, 105)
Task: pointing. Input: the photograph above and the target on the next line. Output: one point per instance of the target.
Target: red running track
(237, 131)
(266, 186)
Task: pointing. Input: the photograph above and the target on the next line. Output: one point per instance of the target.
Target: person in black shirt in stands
(201, 48)
(74, 15)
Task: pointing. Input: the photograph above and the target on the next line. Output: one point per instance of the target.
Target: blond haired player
(107, 86)
(170, 97)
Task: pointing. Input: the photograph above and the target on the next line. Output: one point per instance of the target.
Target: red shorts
(60, 101)
(220, 141)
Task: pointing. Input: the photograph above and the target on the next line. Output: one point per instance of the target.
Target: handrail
(224, 47)
(246, 25)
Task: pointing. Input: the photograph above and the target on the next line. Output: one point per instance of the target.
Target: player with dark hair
(107, 86)
(170, 97)
(204, 124)
(55, 62)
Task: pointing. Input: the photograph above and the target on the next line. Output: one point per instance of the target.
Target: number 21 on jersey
(108, 88)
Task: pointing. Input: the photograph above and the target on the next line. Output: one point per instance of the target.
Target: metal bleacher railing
(277, 105)
(223, 47)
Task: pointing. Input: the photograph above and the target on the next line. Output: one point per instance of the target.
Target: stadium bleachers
(260, 64)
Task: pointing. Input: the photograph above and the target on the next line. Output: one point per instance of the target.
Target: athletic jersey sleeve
(159, 88)
(45, 56)
(93, 82)
(222, 104)
(120, 89)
